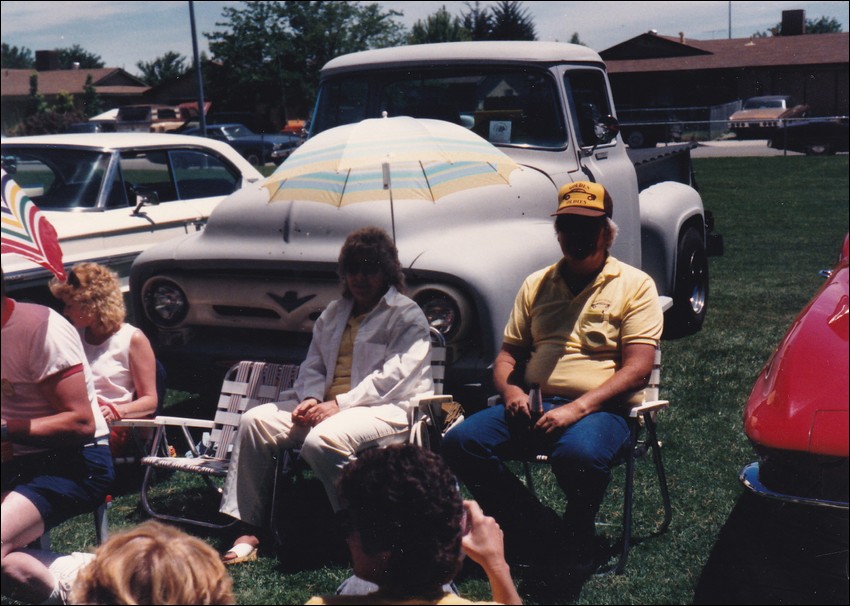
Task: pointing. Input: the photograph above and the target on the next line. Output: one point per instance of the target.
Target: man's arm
(515, 399)
(71, 425)
(484, 544)
(632, 376)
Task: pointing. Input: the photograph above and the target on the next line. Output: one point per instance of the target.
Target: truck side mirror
(606, 130)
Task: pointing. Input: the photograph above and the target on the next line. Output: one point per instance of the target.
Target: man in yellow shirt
(585, 331)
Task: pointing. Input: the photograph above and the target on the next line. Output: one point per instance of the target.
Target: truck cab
(253, 282)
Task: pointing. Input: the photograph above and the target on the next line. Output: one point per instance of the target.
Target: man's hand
(483, 540)
(517, 404)
(559, 418)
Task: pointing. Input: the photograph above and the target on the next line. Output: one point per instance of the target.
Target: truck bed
(669, 163)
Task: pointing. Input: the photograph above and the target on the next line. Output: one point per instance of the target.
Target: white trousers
(268, 429)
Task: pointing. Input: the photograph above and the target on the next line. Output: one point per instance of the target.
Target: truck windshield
(506, 107)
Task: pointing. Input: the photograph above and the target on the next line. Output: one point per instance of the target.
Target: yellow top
(342, 372)
(576, 341)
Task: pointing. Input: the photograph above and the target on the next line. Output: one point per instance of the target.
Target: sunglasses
(73, 280)
(366, 268)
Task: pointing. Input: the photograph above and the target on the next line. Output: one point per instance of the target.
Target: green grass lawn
(783, 219)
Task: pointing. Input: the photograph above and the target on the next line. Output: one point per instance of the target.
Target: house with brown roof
(114, 86)
(652, 71)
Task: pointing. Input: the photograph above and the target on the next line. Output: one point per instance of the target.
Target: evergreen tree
(438, 27)
(511, 21)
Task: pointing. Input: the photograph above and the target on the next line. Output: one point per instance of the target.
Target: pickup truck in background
(252, 284)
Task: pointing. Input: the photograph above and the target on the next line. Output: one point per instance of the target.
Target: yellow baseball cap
(584, 198)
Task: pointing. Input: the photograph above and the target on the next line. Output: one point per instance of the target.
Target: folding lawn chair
(246, 384)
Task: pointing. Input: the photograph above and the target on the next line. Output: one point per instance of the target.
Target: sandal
(244, 552)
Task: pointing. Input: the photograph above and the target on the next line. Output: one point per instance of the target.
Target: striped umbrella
(380, 159)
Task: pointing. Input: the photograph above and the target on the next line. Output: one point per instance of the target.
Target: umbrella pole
(392, 214)
(385, 172)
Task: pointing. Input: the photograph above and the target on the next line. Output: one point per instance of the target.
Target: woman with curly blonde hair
(153, 564)
(120, 355)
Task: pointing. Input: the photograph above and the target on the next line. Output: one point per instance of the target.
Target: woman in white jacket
(369, 357)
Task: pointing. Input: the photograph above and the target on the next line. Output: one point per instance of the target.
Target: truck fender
(665, 208)
(673, 226)
(497, 259)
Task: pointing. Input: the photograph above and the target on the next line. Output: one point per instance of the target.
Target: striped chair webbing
(246, 385)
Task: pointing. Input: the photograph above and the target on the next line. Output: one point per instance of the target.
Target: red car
(797, 413)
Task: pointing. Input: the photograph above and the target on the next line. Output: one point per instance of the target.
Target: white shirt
(38, 343)
(392, 354)
(110, 366)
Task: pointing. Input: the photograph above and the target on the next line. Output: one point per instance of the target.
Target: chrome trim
(749, 477)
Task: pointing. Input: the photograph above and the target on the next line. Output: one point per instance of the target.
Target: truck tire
(690, 292)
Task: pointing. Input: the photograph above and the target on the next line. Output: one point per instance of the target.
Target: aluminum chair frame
(247, 384)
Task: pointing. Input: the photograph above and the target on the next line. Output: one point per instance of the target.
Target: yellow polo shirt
(576, 341)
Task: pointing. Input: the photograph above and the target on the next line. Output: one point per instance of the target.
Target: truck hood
(246, 227)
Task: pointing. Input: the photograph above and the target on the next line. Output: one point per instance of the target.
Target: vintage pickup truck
(252, 283)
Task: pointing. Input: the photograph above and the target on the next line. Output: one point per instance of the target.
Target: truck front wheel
(690, 293)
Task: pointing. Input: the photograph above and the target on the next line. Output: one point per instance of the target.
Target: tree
(477, 21)
(169, 66)
(511, 21)
(16, 58)
(438, 27)
(821, 25)
(92, 105)
(272, 51)
(574, 39)
(77, 54)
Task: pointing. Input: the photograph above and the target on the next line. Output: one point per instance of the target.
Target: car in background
(111, 195)
(797, 413)
(258, 149)
(813, 137)
(759, 116)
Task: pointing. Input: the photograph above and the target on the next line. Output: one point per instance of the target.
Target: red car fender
(800, 400)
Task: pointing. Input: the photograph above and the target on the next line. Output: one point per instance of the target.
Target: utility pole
(730, 19)
(202, 117)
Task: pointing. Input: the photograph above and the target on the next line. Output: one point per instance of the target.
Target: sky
(124, 33)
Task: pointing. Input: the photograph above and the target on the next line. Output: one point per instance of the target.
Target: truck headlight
(445, 310)
(165, 303)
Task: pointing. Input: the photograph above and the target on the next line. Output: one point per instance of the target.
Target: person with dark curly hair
(369, 357)
(408, 528)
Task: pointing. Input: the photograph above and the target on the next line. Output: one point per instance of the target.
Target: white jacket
(391, 362)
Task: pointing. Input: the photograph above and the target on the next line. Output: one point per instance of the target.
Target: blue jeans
(581, 457)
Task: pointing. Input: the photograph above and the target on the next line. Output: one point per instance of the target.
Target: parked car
(813, 137)
(797, 414)
(257, 149)
(149, 118)
(759, 116)
(111, 195)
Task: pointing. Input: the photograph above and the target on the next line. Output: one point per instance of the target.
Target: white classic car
(110, 196)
